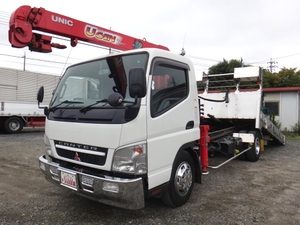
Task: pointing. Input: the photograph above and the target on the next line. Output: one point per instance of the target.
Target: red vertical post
(204, 140)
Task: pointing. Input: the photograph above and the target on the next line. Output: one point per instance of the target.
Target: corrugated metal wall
(8, 84)
(288, 115)
(16, 85)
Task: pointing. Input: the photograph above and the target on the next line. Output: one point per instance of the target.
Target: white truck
(128, 126)
(136, 133)
(18, 90)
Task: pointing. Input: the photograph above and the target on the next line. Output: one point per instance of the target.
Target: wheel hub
(14, 126)
(183, 179)
(257, 146)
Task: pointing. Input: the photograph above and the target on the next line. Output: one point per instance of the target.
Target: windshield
(90, 82)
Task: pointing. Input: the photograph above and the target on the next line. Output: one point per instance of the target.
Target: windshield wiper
(65, 101)
(88, 107)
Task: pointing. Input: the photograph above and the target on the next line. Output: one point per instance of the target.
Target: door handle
(189, 125)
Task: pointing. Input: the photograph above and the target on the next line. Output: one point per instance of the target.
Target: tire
(13, 125)
(181, 182)
(254, 153)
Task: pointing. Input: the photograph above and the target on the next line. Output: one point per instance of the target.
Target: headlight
(131, 159)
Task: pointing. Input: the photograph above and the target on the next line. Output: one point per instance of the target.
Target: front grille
(68, 150)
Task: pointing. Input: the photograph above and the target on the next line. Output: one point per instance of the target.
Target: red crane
(26, 19)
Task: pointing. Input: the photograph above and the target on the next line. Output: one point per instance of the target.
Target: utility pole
(24, 63)
(272, 65)
(109, 50)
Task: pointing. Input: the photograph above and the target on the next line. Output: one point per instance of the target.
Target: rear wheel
(254, 153)
(181, 182)
(13, 125)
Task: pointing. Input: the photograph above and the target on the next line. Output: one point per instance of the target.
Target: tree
(270, 79)
(226, 67)
(284, 78)
(289, 77)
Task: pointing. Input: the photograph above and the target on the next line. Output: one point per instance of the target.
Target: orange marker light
(139, 150)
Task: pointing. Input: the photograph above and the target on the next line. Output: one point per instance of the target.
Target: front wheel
(181, 182)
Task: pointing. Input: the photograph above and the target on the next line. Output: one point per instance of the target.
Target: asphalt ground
(239, 193)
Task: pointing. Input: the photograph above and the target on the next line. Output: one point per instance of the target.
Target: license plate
(68, 180)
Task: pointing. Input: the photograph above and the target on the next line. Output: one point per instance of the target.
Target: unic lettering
(61, 20)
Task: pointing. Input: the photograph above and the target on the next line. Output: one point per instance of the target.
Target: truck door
(171, 120)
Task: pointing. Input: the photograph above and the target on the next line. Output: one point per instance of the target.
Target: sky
(257, 31)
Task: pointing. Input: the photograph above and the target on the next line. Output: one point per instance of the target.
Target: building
(284, 102)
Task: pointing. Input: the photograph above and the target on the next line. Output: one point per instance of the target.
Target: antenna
(66, 62)
(182, 50)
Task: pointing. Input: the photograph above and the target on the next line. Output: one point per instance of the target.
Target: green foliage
(284, 78)
(269, 79)
(225, 66)
(225, 82)
(296, 129)
(274, 121)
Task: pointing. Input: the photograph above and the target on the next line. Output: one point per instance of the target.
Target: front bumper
(119, 192)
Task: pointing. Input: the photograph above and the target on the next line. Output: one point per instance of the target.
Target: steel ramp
(274, 131)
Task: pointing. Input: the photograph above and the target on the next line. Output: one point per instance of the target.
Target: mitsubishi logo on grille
(76, 157)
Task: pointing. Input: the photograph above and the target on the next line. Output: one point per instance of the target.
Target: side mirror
(40, 95)
(137, 83)
(40, 98)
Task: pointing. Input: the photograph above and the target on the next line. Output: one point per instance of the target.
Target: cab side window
(169, 88)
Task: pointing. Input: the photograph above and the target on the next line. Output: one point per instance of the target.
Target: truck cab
(123, 127)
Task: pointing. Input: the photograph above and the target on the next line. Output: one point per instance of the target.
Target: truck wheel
(181, 182)
(254, 153)
(13, 125)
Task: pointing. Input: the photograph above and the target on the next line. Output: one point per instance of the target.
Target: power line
(281, 57)
(287, 56)
(32, 64)
(42, 60)
(4, 20)
(202, 58)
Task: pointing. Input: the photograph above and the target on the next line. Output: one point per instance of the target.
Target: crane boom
(26, 19)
